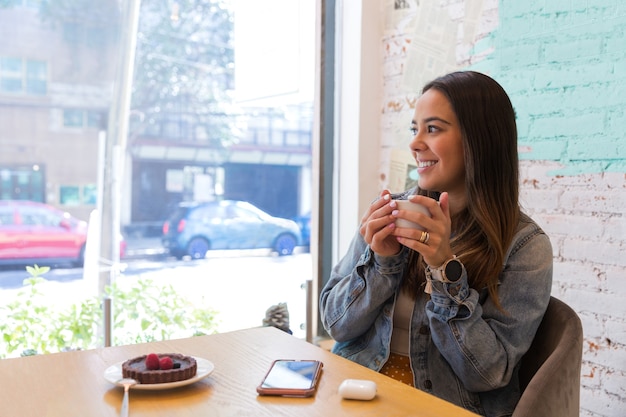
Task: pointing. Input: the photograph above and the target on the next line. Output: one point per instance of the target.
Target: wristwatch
(449, 273)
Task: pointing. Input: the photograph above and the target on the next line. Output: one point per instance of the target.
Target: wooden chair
(550, 370)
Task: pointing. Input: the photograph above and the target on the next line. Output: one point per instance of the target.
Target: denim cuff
(390, 263)
(451, 300)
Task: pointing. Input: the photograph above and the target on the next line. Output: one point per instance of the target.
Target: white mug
(410, 206)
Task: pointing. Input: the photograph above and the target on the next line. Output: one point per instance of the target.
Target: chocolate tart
(185, 367)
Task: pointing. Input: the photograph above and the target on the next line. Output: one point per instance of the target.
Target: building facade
(56, 86)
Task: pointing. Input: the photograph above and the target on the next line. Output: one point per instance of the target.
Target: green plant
(143, 311)
(26, 317)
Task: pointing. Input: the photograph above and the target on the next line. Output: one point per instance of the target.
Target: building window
(69, 195)
(22, 183)
(72, 118)
(79, 118)
(90, 194)
(23, 76)
(78, 195)
(11, 75)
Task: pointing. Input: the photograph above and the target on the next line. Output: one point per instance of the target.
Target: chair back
(550, 370)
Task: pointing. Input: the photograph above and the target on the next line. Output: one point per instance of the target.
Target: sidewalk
(144, 247)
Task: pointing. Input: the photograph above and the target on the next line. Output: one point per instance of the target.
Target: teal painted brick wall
(564, 64)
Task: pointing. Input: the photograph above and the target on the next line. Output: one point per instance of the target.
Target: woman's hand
(377, 226)
(436, 250)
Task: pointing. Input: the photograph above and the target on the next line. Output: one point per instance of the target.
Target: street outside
(239, 285)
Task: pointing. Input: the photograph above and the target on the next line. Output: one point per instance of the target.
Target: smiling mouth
(425, 164)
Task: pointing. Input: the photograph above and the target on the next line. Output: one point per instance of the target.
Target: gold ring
(425, 236)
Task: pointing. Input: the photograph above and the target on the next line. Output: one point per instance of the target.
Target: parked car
(32, 232)
(196, 227)
(304, 223)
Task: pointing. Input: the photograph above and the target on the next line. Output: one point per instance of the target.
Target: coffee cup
(410, 206)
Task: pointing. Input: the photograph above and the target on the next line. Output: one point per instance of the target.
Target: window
(40, 217)
(195, 134)
(36, 76)
(69, 195)
(23, 76)
(22, 182)
(89, 194)
(11, 80)
(73, 118)
(7, 216)
(79, 118)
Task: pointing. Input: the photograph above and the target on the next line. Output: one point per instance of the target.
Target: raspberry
(152, 362)
(166, 363)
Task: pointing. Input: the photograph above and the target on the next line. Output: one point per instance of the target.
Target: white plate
(114, 373)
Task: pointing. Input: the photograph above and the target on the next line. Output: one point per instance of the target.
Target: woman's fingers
(434, 241)
(377, 226)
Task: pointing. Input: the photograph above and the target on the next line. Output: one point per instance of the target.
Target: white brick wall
(583, 213)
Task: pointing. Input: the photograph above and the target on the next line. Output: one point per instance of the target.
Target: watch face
(453, 271)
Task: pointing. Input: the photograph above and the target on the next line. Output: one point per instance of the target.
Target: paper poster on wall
(402, 171)
(203, 189)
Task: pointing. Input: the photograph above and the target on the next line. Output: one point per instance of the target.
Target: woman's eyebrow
(432, 119)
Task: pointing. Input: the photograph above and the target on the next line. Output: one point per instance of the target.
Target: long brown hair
(482, 232)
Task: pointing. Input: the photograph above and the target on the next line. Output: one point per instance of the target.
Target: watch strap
(439, 274)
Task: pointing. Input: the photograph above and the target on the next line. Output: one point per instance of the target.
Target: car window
(6, 215)
(243, 214)
(204, 213)
(196, 214)
(35, 216)
(253, 209)
(30, 217)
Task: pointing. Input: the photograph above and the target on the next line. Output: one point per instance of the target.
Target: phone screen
(291, 377)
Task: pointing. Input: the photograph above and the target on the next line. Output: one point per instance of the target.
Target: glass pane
(10, 75)
(11, 66)
(90, 194)
(36, 69)
(36, 76)
(69, 195)
(94, 119)
(204, 199)
(72, 118)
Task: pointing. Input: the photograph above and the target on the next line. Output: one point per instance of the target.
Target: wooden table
(72, 384)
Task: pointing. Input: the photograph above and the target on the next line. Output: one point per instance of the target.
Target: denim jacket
(462, 348)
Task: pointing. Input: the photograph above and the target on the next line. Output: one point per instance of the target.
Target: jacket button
(424, 330)
(428, 384)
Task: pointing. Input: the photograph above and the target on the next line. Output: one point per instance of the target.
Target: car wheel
(197, 248)
(285, 245)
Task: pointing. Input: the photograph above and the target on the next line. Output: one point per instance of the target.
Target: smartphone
(291, 377)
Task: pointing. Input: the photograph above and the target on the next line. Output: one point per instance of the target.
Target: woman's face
(437, 146)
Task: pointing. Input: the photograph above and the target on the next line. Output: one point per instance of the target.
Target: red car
(33, 232)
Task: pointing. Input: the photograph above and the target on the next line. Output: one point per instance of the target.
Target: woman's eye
(413, 131)
(431, 129)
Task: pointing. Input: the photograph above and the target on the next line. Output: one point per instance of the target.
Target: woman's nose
(417, 144)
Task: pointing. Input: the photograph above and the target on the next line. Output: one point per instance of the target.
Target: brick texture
(563, 63)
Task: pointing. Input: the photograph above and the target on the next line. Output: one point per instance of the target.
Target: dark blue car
(197, 227)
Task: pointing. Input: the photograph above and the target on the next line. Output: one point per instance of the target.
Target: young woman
(450, 309)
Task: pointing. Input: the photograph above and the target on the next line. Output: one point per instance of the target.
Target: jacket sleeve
(482, 343)
(358, 287)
